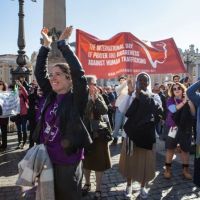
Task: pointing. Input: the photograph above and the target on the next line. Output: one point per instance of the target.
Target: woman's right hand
(18, 83)
(66, 33)
(137, 88)
(131, 84)
(47, 39)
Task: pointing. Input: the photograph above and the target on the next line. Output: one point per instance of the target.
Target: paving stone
(113, 184)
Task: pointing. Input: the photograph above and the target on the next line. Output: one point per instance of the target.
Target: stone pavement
(113, 184)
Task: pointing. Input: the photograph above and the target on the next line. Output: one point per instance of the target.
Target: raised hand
(93, 92)
(47, 39)
(18, 83)
(66, 33)
(131, 84)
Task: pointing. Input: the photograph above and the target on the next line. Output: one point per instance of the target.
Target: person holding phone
(97, 158)
(137, 159)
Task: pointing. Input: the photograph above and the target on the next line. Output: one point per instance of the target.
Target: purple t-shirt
(51, 133)
(169, 121)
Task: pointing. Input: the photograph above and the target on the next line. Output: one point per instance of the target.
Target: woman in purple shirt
(180, 117)
(60, 125)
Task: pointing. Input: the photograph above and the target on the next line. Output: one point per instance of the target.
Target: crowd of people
(25, 120)
(76, 120)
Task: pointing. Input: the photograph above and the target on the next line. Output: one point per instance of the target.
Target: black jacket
(142, 115)
(72, 108)
(164, 105)
(184, 119)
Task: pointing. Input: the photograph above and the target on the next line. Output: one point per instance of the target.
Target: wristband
(61, 43)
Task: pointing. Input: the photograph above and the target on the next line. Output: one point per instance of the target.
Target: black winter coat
(142, 115)
(71, 109)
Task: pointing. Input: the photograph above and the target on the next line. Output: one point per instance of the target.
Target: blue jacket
(194, 96)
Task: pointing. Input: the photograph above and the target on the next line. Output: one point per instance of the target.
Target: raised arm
(191, 105)
(80, 88)
(120, 87)
(41, 70)
(192, 93)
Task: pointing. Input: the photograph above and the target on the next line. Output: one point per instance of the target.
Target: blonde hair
(171, 92)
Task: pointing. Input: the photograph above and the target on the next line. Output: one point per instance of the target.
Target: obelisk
(54, 18)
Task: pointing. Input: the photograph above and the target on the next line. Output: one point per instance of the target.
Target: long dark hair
(64, 68)
(4, 85)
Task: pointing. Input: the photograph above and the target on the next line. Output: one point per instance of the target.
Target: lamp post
(22, 59)
(187, 60)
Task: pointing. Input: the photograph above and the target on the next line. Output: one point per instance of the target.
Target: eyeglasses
(176, 88)
(58, 74)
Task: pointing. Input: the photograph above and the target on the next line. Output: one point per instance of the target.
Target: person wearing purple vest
(180, 118)
(60, 126)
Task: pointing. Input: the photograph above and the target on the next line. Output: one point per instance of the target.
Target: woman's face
(142, 81)
(122, 80)
(177, 91)
(92, 87)
(60, 81)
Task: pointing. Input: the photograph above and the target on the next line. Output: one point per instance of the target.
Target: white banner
(10, 103)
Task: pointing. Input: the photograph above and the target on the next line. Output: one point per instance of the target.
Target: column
(54, 14)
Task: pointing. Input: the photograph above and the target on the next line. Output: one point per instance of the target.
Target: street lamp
(190, 57)
(187, 59)
(22, 59)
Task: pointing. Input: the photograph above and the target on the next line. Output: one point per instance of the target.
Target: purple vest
(50, 135)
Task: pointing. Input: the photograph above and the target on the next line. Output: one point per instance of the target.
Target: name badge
(172, 132)
(47, 129)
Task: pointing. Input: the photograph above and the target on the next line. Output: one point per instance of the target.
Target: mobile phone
(138, 85)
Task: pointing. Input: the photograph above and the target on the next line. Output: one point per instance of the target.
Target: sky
(151, 20)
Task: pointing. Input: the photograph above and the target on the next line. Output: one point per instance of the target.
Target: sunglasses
(176, 88)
